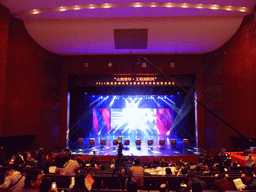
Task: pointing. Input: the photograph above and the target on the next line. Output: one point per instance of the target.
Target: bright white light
(132, 119)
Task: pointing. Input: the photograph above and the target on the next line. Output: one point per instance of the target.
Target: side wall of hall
(30, 89)
(229, 86)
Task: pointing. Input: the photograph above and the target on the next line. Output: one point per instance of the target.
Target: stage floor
(133, 150)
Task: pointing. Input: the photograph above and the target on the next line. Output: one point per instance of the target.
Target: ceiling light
(91, 6)
(153, 5)
(35, 11)
(184, 5)
(168, 5)
(229, 8)
(106, 5)
(77, 7)
(199, 6)
(137, 5)
(62, 8)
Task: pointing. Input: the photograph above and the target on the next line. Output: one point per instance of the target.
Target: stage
(144, 152)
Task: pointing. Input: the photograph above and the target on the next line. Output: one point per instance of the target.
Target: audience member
(71, 167)
(130, 185)
(94, 158)
(194, 179)
(137, 173)
(43, 163)
(31, 183)
(46, 185)
(14, 180)
(60, 160)
(79, 184)
(222, 183)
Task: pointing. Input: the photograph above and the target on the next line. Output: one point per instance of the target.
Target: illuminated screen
(138, 121)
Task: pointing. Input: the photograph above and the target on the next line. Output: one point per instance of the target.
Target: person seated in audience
(32, 181)
(71, 167)
(168, 171)
(79, 184)
(137, 173)
(155, 164)
(60, 160)
(196, 187)
(235, 164)
(222, 183)
(247, 177)
(249, 180)
(201, 158)
(163, 188)
(130, 185)
(98, 165)
(202, 167)
(14, 180)
(194, 179)
(183, 172)
(163, 163)
(94, 158)
(46, 185)
(43, 163)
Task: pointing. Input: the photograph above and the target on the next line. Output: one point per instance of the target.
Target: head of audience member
(184, 171)
(67, 152)
(79, 160)
(79, 183)
(163, 187)
(196, 187)
(168, 171)
(131, 185)
(248, 177)
(136, 162)
(198, 169)
(11, 168)
(31, 179)
(46, 184)
(112, 166)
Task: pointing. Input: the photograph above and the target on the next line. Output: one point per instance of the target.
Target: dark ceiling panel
(131, 38)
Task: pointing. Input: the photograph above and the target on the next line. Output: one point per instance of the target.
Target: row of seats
(127, 142)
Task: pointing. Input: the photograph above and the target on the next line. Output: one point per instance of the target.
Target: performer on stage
(250, 161)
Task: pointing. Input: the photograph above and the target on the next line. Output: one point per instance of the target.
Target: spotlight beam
(192, 96)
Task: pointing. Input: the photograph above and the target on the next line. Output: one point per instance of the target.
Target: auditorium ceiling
(130, 27)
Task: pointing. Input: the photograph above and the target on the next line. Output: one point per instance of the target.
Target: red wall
(4, 37)
(240, 72)
(230, 89)
(32, 91)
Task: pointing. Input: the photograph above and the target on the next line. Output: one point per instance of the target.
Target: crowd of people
(27, 171)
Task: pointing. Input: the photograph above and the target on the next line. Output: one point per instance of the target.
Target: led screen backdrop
(127, 121)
